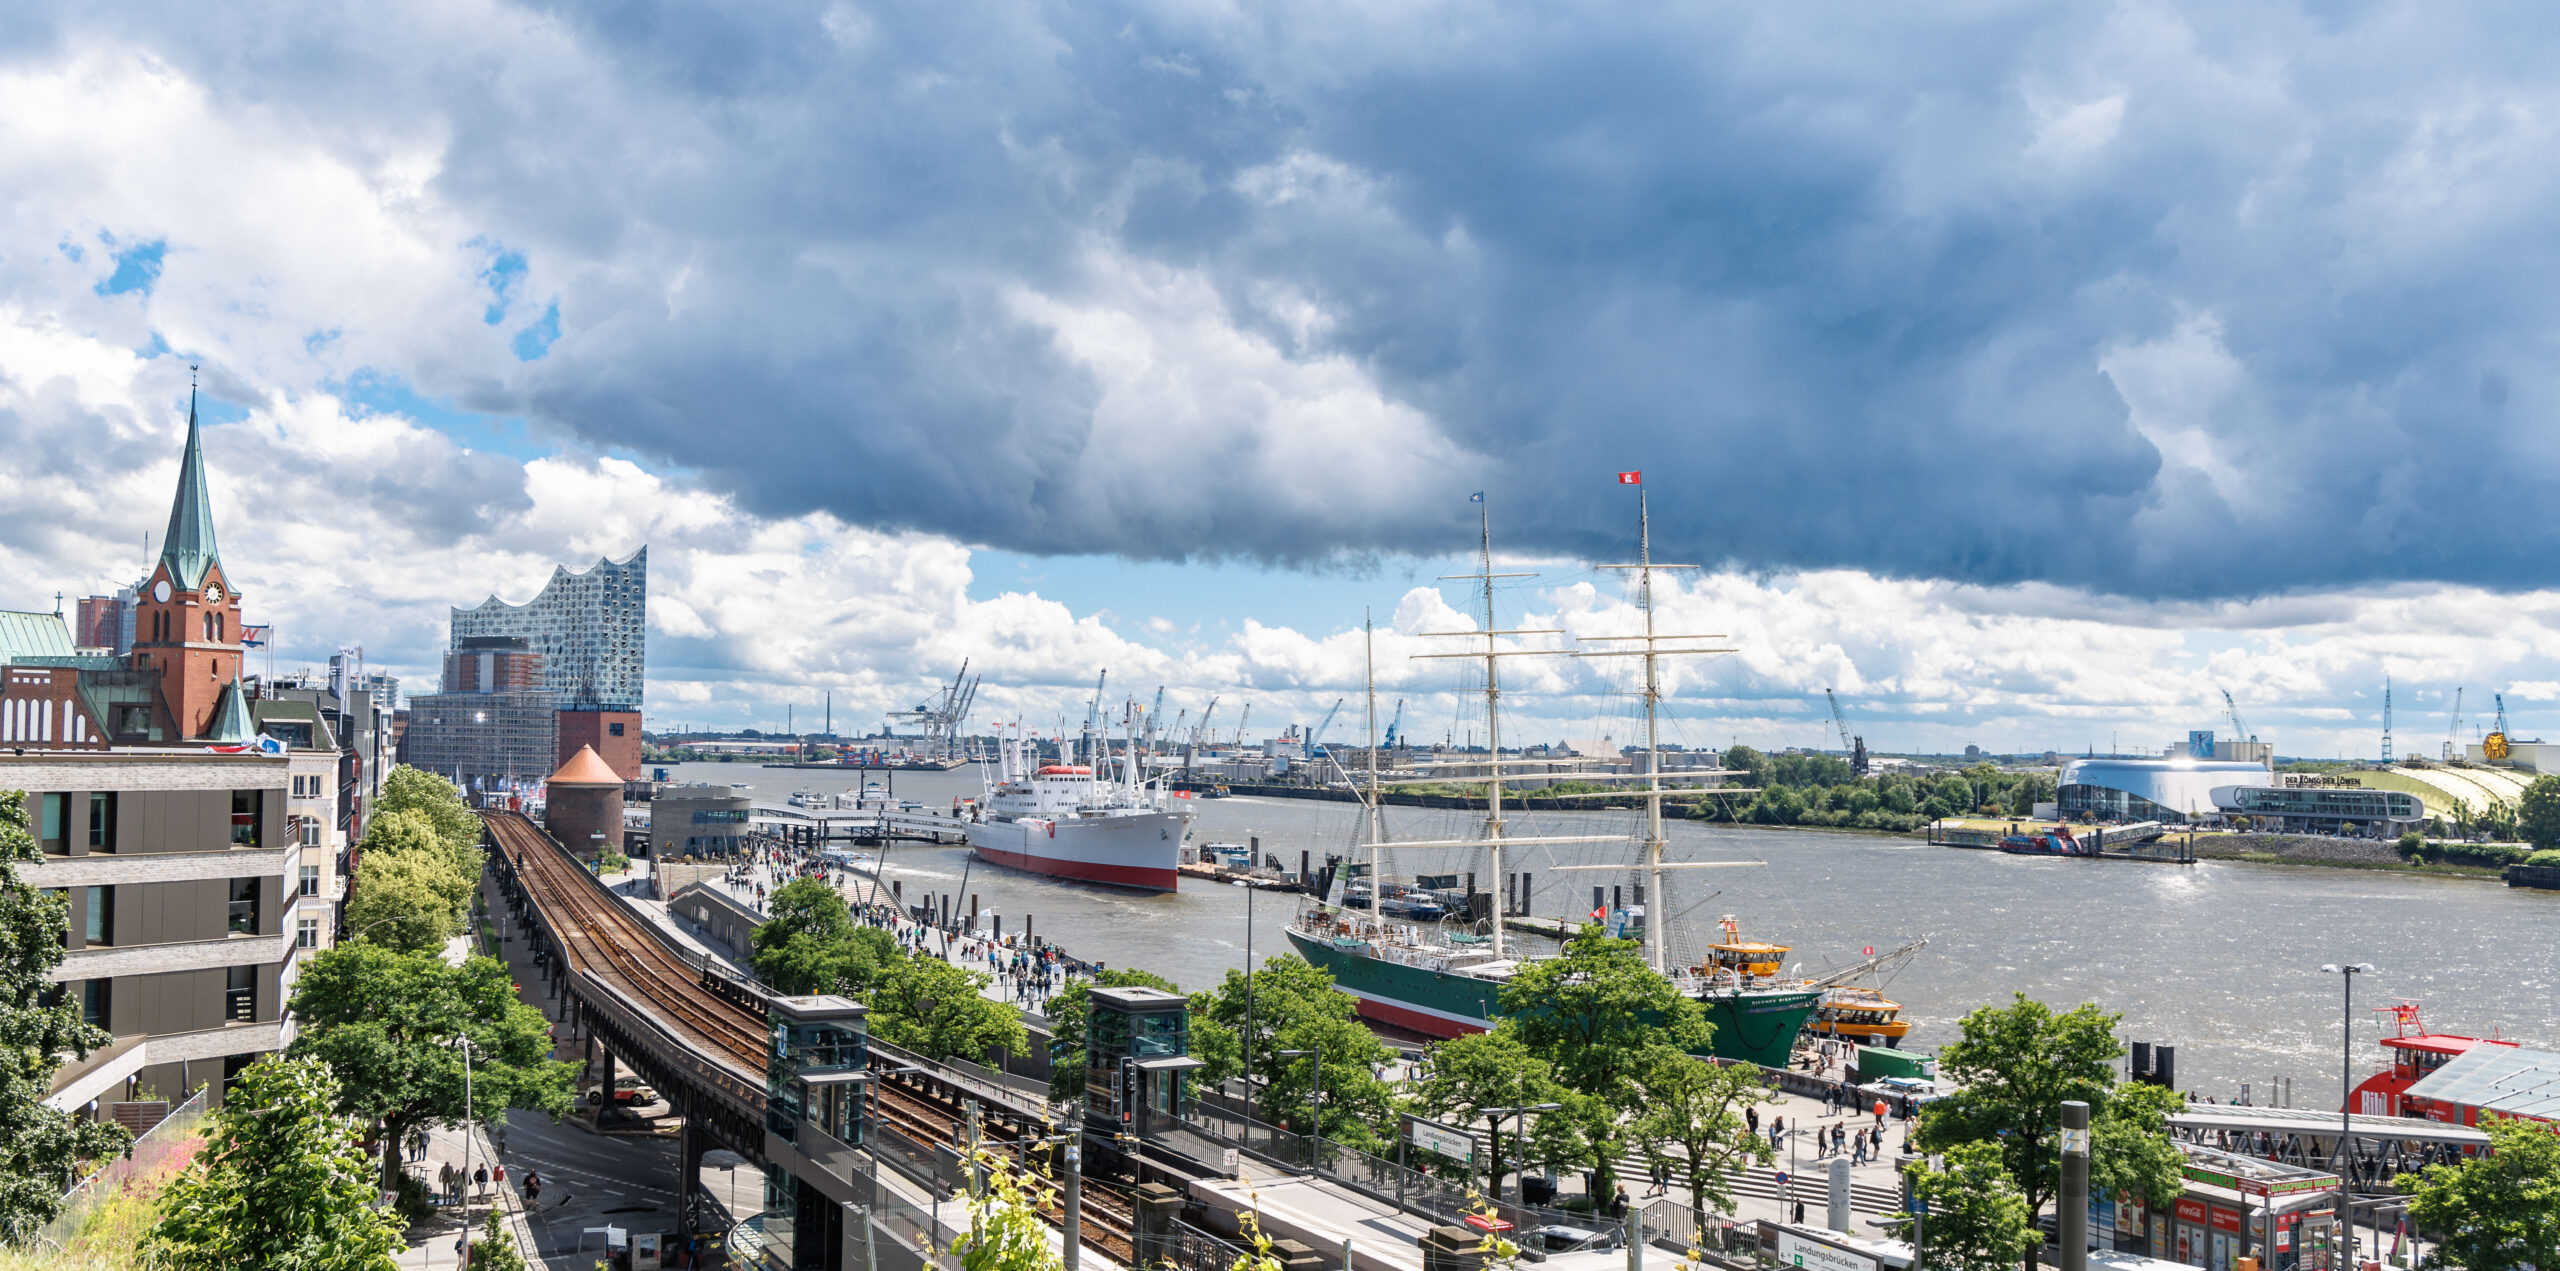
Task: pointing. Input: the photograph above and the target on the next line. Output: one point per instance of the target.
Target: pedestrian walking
(1751, 1117)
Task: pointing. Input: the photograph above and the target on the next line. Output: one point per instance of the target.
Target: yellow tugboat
(1859, 1015)
(1747, 959)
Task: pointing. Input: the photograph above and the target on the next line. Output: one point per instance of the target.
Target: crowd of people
(1028, 972)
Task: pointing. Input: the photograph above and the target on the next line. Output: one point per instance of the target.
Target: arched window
(208, 626)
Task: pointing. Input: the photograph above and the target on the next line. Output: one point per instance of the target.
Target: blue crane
(1394, 724)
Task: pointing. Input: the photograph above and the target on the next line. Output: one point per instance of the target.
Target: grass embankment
(111, 1238)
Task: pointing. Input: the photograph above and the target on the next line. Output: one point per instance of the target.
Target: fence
(176, 1137)
(1440, 1199)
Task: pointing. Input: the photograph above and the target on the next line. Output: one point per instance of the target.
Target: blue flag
(1477, 497)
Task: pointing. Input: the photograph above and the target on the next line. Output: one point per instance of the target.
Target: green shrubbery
(2483, 855)
(2544, 859)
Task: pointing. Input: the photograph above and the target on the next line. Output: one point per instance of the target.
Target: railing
(1187, 1248)
(1441, 1199)
(175, 1138)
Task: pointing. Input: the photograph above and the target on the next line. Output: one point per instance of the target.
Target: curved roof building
(2447, 791)
(2154, 789)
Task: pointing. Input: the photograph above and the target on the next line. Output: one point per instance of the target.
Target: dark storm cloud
(2165, 300)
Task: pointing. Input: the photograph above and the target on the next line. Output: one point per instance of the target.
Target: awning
(2508, 1079)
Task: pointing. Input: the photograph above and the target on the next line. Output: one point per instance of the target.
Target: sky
(2027, 374)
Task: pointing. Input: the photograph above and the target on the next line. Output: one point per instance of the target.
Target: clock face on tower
(160, 591)
(213, 593)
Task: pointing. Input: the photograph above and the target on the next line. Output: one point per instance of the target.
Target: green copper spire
(188, 548)
(231, 725)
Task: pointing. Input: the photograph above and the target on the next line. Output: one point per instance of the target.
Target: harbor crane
(1315, 740)
(2500, 727)
(2454, 727)
(1394, 724)
(1854, 749)
(1154, 713)
(1241, 721)
(2239, 730)
(1200, 734)
(941, 716)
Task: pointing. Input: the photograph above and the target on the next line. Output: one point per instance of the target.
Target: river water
(2219, 959)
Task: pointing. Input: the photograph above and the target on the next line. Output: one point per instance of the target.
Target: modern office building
(502, 739)
(2328, 809)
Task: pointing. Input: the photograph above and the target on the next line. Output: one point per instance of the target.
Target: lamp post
(2346, 973)
(465, 1044)
(1248, 1010)
(1315, 1105)
(1522, 1111)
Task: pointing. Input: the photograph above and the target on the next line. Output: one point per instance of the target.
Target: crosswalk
(1811, 1185)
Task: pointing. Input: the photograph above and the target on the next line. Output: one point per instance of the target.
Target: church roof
(586, 768)
(188, 547)
(32, 635)
(232, 725)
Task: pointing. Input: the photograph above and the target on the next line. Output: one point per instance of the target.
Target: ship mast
(1657, 933)
(1369, 640)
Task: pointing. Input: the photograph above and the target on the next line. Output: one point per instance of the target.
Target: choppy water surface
(2220, 959)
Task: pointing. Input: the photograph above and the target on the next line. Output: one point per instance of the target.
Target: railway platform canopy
(2233, 1118)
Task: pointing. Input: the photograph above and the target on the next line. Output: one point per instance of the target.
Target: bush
(2544, 860)
(2412, 843)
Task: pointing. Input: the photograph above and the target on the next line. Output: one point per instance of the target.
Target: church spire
(188, 547)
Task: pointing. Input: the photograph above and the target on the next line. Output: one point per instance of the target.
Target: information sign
(1814, 1255)
(1448, 1141)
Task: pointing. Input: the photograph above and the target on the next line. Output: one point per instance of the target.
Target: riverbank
(2333, 853)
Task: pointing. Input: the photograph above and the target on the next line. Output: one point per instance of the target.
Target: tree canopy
(1295, 1007)
(417, 865)
(1977, 1218)
(385, 1023)
(1604, 1019)
(278, 1183)
(39, 1147)
(2538, 812)
(2014, 1066)
(1464, 1076)
(1691, 1116)
(402, 903)
(2501, 1209)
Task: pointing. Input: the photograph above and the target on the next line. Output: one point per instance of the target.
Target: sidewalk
(431, 1243)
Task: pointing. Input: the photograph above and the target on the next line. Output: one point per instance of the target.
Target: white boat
(1068, 821)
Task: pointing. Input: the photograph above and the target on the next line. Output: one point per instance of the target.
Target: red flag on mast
(1631, 478)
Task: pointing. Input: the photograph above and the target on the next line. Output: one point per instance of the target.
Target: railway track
(1109, 1213)
(602, 938)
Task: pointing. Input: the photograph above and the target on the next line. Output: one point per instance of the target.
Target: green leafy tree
(402, 903)
(2014, 1067)
(1006, 1230)
(2538, 812)
(1977, 1219)
(1692, 1117)
(1464, 1076)
(802, 946)
(385, 1023)
(495, 1248)
(2501, 1209)
(1753, 765)
(417, 790)
(1603, 1018)
(279, 1183)
(941, 1011)
(1067, 1014)
(39, 1147)
(1296, 1007)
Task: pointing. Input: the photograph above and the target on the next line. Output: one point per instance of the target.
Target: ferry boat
(1860, 1015)
(2415, 1053)
(1444, 980)
(1068, 821)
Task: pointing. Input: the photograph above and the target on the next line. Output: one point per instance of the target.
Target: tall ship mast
(1389, 950)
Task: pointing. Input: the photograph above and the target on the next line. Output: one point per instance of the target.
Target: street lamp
(1522, 1111)
(2346, 1065)
(465, 1044)
(1315, 1105)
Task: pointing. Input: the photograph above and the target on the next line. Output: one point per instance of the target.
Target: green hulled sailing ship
(1443, 984)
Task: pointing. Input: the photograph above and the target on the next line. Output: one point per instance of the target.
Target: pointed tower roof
(188, 547)
(586, 768)
(231, 724)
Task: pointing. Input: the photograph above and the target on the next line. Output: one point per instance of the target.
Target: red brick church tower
(187, 625)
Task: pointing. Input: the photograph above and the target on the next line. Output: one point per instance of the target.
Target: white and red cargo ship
(1067, 821)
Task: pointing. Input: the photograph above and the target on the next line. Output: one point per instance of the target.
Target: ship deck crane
(1868, 966)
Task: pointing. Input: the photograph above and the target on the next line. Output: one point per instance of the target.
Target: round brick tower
(585, 805)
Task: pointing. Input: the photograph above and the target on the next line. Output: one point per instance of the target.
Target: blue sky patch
(506, 270)
(371, 392)
(535, 340)
(137, 267)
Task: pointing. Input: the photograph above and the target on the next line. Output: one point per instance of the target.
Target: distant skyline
(2028, 375)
